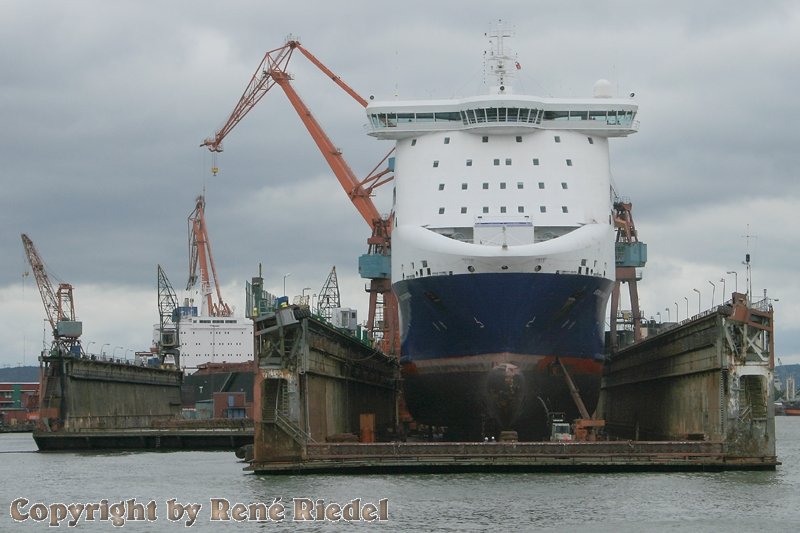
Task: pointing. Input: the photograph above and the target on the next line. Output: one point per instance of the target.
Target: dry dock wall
(708, 378)
(315, 383)
(80, 394)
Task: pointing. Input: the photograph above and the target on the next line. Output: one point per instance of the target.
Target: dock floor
(606, 456)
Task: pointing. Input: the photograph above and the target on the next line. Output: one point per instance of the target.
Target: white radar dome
(603, 89)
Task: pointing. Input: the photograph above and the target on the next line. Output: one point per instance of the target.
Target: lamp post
(687, 305)
(659, 316)
(735, 279)
(284, 281)
(723, 290)
(89, 346)
(114, 352)
(669, 319)
(102, 348)
(698, 301)
(677, 315)
(713, 292)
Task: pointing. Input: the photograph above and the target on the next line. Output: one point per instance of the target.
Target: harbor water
(726, 501)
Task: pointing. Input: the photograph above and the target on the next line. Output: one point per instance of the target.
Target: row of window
(502, 114)
(503, 209)
(508, 161)
(520, 185)
(485, 138)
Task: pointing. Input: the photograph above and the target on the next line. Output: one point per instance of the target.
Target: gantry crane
(630, 255)
(382, 321)
(59, 305)
(200, 254)
(168, 322)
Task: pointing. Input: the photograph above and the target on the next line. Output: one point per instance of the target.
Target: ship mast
(497, 61)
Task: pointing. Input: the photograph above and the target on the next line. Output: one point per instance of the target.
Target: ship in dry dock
(502, 249)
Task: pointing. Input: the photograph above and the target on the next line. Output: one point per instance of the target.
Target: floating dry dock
(696, 392)
(91, 403)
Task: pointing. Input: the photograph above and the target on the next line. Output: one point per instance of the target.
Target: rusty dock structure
(90, 403)
(694, 396)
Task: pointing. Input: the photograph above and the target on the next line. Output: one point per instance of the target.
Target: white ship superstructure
(503, 242)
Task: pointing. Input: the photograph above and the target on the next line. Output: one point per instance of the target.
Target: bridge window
(564, 209)
(519, 138)
(563, 184)
(441, 210)
(520, 185)
(497, 162)
(591, 141)
(485, 209)
(557, 139)
(485, 185)
(441, 186)
(508, 161)
(542, 209)
(520, 209)
(463, 210)
(469, 162)
(463, 186)
(502, 209)
(485, 139)
(541, 185)
(435, 163)
(447, 140)
(569, 162)
(536, 161)
(502, 184)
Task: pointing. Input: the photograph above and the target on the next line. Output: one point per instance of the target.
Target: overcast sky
(104, 105)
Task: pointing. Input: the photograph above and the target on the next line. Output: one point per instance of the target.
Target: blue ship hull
(479, 350)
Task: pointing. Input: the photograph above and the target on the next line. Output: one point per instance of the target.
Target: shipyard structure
(489, 284)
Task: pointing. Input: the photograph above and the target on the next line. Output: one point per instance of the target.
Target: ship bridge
(504, 114)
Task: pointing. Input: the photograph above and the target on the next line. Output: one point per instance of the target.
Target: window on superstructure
(542, 209)
(541, 185)
(485, 209)
(502, 209)
(591, 141)
(441, 186)
(536, 161)
(441, 210)
(463, 186)
(564, 209)
(520, 185)
(508, 161)
(491, 114)
(497, 162)
(519, 138)
(413, 142)
(557, 138)
(485, 185)
(520, 209)
(485, 139)
(447, 140)
(463, 210)
(502, 184)
(469, 162)
(564, 185)
(569, 162)
(435, 163)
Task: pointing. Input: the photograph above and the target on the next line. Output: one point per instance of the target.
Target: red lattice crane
(200, 254)
(383, 318)
(59, 305)
(630, 255)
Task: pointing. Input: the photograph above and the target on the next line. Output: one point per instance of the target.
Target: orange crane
(630, 255)
(59, 305)
(382, 321)
(200, 254)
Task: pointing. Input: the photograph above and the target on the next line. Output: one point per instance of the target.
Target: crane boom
(59, 305)
(271, 71)
(200, 254)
